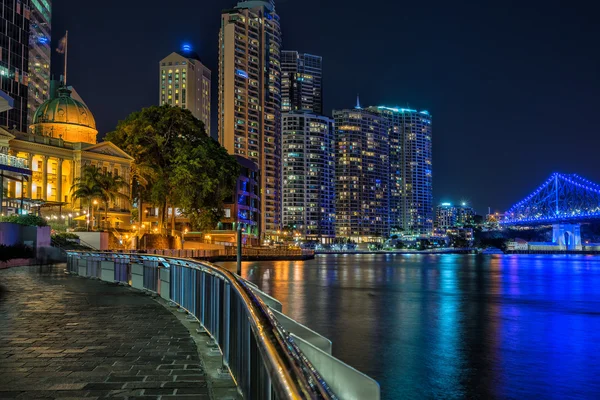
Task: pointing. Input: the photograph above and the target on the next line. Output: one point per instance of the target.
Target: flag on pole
(62, 45)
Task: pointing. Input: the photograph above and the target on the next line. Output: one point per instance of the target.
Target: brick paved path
(64, 337)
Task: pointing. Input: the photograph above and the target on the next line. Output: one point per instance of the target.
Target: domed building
(65, 118)
(61, 141)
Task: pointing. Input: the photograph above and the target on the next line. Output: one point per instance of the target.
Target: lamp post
(239, 249)
(94, 219)
(185, 231)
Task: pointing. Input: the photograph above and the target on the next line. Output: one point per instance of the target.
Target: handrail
(13, 161)
(290, 374)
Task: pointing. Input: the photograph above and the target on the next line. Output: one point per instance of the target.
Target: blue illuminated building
(244, 206)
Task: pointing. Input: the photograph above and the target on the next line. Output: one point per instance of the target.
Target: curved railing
(264, 358)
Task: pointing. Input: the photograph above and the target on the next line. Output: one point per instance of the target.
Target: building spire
(358, 107)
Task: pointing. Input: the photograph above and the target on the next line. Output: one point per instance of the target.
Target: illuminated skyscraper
(309, 175)
(185, 83)
(14, 60)
(250, 97)
(362, 175)
(301, 82)
(411, 194)
(39, 55)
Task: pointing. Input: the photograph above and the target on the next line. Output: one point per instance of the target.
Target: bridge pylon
(567, 236)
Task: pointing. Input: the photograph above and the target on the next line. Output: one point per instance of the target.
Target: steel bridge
(563, 201)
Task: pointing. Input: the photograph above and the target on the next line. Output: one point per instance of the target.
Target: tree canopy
(177, 164)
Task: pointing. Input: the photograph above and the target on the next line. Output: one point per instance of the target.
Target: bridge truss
(561, 199)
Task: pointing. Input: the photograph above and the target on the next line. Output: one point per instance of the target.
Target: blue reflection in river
(451, 326)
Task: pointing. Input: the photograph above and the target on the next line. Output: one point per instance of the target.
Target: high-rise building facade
(411, 183)
(301, 82)
(362, 175)
(39, 55)
(308, 175)
(250, 98)
(185, 83)
(14, 60)
(454, 216)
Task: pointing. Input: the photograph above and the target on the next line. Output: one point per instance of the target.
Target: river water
(451, 326)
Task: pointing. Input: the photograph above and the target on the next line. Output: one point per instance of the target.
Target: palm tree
(87, 187)
(141, 175)
(111, 187)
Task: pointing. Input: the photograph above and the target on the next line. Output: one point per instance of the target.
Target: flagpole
(66, 50)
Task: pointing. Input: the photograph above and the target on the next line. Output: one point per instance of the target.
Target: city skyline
(487, 105)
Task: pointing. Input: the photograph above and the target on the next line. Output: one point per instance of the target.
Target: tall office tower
(250, 98)
(301, 82)
(14, 60)
(308, 175)
(185, 83)
(39, 55)
(411, 194)
(362, 175)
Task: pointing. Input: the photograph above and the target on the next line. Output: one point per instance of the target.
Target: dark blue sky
(513, 86)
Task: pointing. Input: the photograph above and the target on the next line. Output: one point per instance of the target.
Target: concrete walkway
(63, 337)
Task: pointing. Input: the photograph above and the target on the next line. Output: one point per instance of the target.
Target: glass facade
(301, 82)
(14, 60)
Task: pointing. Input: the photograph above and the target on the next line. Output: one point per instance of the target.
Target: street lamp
(185, 231)
(95, 221)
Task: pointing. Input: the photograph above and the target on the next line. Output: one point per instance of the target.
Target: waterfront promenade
(63, 337)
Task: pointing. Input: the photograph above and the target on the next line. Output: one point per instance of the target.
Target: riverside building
(362, 175)
(309, 175)
(249, 115)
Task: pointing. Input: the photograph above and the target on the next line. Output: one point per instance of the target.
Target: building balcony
(14, 164)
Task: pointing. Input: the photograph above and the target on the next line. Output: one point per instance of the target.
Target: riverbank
(431, 251)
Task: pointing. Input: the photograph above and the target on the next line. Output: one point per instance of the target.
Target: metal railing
(13, 161)
(264, 358)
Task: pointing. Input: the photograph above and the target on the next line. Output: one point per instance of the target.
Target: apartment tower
(185, 83)
(309, 175)
(362, 175)
(40, 17)
(249, 114)
(411, 193)
(301, 82)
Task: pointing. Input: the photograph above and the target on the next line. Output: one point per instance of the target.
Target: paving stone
(67, 338)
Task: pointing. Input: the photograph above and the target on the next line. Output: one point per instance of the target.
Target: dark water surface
(452, 326)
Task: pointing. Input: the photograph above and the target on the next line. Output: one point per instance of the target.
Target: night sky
(513, 87)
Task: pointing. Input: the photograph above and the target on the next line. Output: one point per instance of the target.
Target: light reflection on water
(452, 326)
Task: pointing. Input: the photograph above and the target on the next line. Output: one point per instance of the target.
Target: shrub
(28, 220)
(17, 251)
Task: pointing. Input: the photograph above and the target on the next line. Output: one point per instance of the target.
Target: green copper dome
(63, 109)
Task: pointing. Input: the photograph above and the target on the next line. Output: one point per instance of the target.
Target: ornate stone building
(61, 141)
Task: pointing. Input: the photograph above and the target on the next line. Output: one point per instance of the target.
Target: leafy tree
(182, 166)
